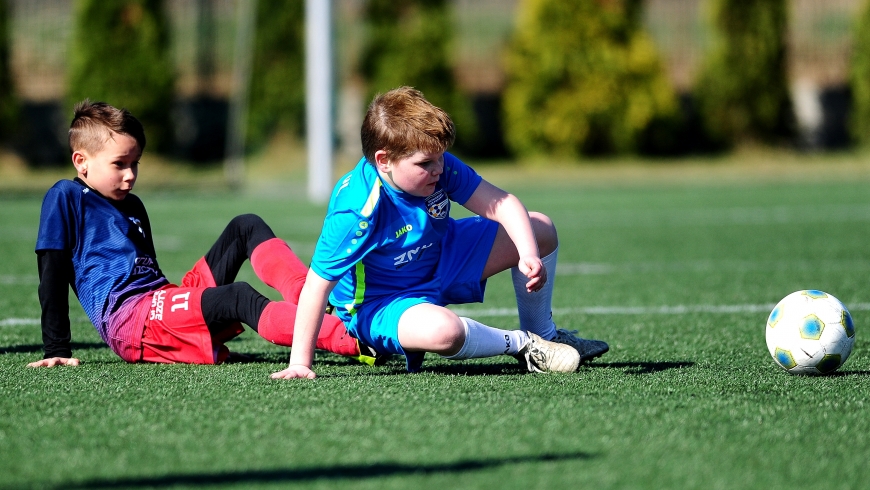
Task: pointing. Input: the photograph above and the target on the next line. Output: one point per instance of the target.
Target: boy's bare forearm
(514, 217)
(493, 203)
(309, 316)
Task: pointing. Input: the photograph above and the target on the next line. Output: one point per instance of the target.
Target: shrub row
(860, 79)
(8, 107)
(582, 77)
(120, 54)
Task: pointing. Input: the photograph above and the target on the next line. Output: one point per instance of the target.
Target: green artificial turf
(678, 279)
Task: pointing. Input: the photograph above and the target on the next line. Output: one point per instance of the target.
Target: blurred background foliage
(8, 104)
(519, 77)
(121, 54)
(742, 92)
(860, 79)
(411, 43)
(583, 79)
(277, 97)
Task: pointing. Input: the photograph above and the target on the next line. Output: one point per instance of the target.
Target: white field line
(603, 268)
(583, 310)
(641, 310)
(15, 322)
(18, 280)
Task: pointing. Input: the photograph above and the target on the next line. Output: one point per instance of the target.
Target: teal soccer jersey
(377, 241)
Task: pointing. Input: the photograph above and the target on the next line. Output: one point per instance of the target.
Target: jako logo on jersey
(507, 343)
(405, 229)
(437, 205)
(157, 305)
(410, 256)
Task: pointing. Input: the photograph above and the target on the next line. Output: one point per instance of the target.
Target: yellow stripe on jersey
(360, 291)
(372, 201)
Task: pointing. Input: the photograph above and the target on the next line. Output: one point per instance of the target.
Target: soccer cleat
(543, 356)
(370, 356)
(588, 349)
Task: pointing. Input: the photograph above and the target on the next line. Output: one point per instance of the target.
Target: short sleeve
(345, 239)
(460, 180)
(55, 221)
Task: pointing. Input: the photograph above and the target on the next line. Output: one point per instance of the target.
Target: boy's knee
(442, 332)
(545, 232)
(452, 333)
(247, 222)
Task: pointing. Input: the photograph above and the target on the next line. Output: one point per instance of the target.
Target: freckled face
(112, 171)
(416, 174)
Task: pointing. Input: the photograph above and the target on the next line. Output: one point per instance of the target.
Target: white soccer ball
(810, 332)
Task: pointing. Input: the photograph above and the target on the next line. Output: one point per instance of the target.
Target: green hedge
(742, 92)
(277, 100)
(8, 104)
(409, 43)
(860, 80)
(120, 54)
(584, 78)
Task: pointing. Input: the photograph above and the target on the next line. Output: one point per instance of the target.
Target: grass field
(677, 274)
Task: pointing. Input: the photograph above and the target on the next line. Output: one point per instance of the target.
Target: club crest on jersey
(437, 205)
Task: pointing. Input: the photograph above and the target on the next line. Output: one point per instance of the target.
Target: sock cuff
(553, 254)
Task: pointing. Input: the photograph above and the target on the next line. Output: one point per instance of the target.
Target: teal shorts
(465, 249)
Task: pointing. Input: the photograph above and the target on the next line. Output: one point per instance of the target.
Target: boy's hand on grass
(295, 371)
(55, 361)
(533, 268)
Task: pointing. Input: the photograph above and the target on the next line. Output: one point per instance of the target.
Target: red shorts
(175, 330)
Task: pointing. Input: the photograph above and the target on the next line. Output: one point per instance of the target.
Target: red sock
(277, 266)
(276, 326)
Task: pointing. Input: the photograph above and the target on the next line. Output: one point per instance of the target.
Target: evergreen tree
(742, 92)
(410, 43)
(860, 80)
(277, 100)
(8, 104)
(120, 54)
(584, 78)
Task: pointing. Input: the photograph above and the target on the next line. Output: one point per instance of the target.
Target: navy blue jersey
(113, 257)
(377, 241)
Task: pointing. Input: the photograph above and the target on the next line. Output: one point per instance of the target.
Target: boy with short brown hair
(95, 236)
(389, 257)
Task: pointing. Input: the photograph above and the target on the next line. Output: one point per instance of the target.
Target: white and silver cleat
(543, 356)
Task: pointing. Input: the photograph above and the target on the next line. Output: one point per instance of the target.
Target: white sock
(484, 341)
(536, 309)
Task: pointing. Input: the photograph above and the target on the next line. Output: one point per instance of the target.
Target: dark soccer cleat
(588, 349)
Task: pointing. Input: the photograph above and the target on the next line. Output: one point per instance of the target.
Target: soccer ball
(810, 332)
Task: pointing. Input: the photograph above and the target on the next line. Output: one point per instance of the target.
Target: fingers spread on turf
(295, 371)
(55, 361)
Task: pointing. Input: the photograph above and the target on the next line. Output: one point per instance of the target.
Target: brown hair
(94, 122)
(402, 122)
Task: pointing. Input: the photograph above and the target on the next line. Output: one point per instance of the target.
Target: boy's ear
(80, 162)
(382, 161)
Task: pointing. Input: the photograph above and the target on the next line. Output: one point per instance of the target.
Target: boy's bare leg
(535, 308)
(432, 328)
(504, 255)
